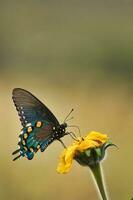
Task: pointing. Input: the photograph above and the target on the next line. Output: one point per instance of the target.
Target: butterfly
(40, 126)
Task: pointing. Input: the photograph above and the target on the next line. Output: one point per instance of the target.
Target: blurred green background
(70, 54)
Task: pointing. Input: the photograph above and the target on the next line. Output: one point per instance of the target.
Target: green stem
(96, 170)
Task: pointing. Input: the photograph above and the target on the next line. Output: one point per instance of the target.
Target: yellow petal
(66, 159)
(86, 144)
(96, 136)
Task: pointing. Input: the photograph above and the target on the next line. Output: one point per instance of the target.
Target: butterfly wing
(32, 111)
(30, 108)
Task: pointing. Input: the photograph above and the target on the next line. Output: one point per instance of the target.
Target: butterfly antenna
(68, 115)
(69, 119)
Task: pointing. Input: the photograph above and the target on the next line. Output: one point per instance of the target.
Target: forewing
(30, 108)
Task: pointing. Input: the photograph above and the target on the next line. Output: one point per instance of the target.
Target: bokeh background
(70, 54)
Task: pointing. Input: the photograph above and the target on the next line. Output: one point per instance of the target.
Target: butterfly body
(40, 127)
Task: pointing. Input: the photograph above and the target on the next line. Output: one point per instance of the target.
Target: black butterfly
(40, 126)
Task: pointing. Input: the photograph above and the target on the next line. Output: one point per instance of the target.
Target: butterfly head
(64, 125)
(63, 128)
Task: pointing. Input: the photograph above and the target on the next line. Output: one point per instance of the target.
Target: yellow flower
(91, 141)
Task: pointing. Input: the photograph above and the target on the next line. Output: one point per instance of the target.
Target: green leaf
(98, 152)
(109, 144)
(88, 152)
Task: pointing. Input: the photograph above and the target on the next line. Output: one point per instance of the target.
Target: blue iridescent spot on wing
(29, 155)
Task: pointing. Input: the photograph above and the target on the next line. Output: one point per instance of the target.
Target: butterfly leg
(73, 136)
(62, 143)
